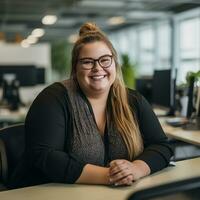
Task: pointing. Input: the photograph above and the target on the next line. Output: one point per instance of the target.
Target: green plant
(128, 71)
(191, 75)
(61, 57)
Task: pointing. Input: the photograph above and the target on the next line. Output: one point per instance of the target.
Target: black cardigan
(47, 126)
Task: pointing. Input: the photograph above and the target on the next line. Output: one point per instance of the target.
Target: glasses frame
(96, 60)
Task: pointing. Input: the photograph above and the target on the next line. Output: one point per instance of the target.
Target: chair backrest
(12, 145)
(187, 189)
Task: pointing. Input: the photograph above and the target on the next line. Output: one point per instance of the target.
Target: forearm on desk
(93, 174)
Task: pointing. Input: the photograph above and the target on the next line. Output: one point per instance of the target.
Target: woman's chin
(100, 89)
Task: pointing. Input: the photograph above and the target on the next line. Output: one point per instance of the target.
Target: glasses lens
(105, 61)
(87, 63)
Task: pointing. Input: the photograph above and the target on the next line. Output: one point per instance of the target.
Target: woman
(90, 128)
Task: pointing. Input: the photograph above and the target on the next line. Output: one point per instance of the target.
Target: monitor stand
(193, 125)
(11, 96)
(171, 112)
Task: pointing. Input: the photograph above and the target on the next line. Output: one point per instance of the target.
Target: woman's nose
(97, 66)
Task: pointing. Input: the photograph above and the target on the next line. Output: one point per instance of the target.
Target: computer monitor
(198, 102)
(144, 87)
(12, 77)
(193, 107)
(188, 189)
(190, 106)
(41, 76)
(25, 74)
(163, 90)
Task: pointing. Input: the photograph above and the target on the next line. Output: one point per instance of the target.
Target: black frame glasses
(104, 61)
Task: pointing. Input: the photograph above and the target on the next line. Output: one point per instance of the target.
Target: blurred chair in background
(12, 145)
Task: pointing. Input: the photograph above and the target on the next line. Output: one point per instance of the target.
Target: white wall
(38, 55)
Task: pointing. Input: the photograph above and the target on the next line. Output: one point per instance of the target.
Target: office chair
(188, 189)
(12, 145)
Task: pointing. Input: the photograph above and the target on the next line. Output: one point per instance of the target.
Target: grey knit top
(86, 141)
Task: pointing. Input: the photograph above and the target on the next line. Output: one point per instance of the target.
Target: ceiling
(18, 18)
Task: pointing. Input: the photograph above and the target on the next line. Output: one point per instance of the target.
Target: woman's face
(95, 77)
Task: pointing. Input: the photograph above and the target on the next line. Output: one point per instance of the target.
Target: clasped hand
(123, 172)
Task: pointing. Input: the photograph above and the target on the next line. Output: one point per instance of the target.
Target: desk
(188, 136)
(183, 170)
(12, 117)
(192, 137)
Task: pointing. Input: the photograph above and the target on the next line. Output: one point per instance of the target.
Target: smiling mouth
(99, 77)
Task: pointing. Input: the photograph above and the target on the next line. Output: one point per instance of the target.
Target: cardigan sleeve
(46, 129)
(157, 149)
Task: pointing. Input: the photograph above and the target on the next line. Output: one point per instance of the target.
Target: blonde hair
(118, 109)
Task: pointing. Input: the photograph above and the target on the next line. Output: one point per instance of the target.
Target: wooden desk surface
(183, 170)
(192, 137)
(7, 115)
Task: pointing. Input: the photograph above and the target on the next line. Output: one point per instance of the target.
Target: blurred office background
(36, 39)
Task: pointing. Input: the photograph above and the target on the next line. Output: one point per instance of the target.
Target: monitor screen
(198, 102)
(25, 74)
(188, 189)
(41, 76)
(190, 106)
(162, 88)
(144, 87)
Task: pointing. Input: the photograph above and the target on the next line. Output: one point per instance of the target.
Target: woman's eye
(87, 62)
(105, 60)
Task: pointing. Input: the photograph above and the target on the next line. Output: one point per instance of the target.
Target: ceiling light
(73, 38)
(25, 44)
(49, 19)
(116, 20)
(31, 39)
(38, 32)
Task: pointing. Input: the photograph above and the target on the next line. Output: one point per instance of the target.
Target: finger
(128, 180)
(116, 162)
(117, 169)
(120, 175)
(118, 165)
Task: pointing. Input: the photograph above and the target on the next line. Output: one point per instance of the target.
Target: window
(163, 46)
(188, 49)
(146, 50)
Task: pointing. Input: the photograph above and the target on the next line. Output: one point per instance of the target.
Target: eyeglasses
(104, 61)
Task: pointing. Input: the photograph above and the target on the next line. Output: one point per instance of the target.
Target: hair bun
(88, 27)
